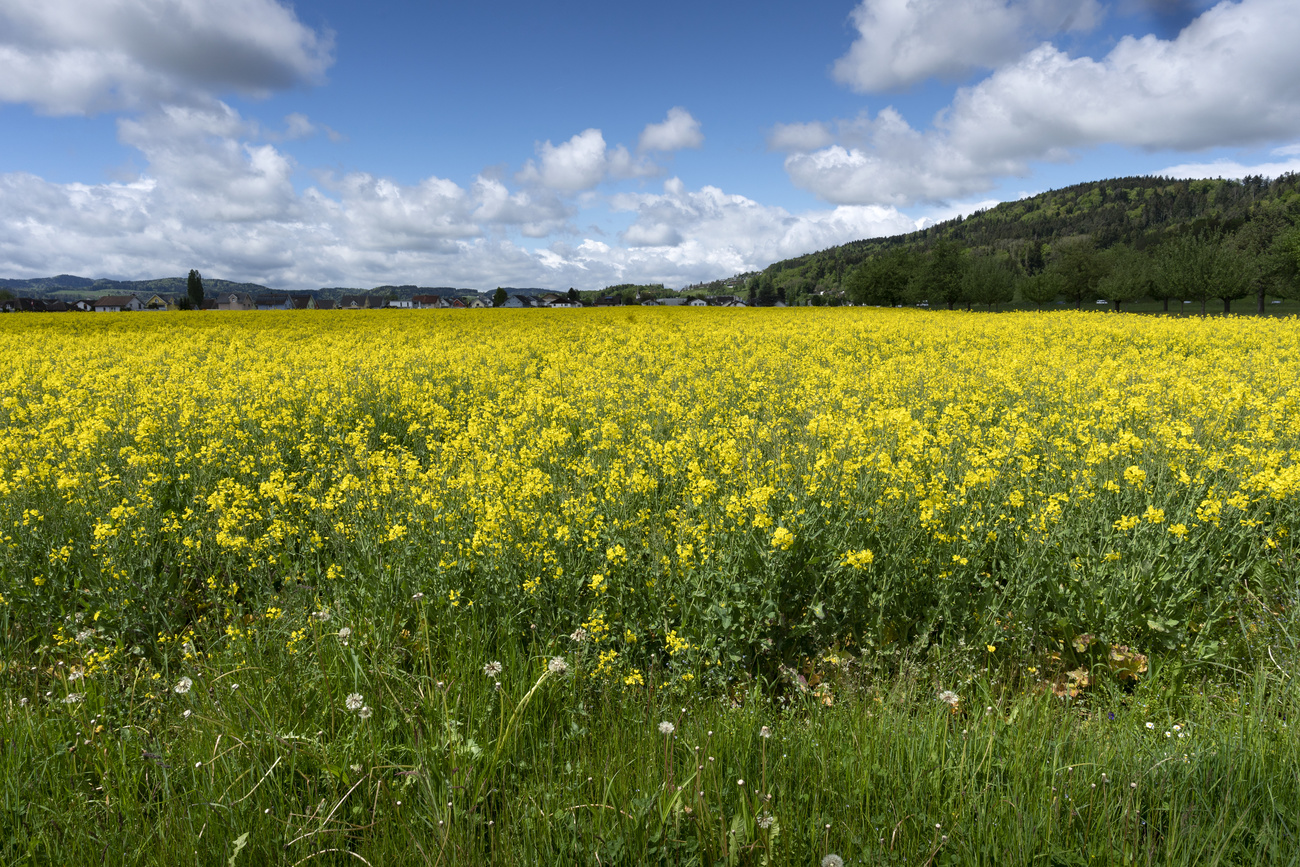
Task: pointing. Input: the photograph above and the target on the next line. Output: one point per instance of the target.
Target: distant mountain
(68, 287)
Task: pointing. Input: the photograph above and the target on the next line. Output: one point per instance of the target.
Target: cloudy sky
(580, 143)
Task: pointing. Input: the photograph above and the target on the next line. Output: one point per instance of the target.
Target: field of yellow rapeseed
(675, 488)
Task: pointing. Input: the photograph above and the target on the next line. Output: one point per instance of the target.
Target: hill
(1138, 213)
(68, 287)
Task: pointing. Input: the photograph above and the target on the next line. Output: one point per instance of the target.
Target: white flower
(365, 713)
(557, 665)
(1151, 725)
(344, 634)
(418, 596)
(187, 713)
(666, 728)
(85, 635)
(76, 673)
(321, 615)
(832, 860)
(947, 696)
(765, 732)
(182, 686)
(578, 634)
(354, 701)
(73, 697)
(492, 669)
(356, 769)
(765, 821)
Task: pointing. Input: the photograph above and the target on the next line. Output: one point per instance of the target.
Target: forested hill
(70, 287)
(1137, 213)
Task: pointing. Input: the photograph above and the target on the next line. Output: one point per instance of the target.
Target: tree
(1258, 241)
(1199, 267)
(883, 278)
(989, 281)
(1080, 267)
(573, 295)
(940, 277)
(1041, 288)
(498, 297)
(194, 289)
(1128, 275)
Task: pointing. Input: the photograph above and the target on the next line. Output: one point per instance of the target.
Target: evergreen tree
(498, 297)
(194, 289)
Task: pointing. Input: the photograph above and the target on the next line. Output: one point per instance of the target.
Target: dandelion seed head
(493, 669)
(765, 732)
(666, 728)
(182, 686)
(832, 860)
(557, 665)
(365, 712)
(354, 701)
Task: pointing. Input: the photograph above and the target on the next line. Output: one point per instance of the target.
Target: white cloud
(800, 137)
(1231, 169)
(732, 233)
(902, 42)
(677, 131)
(1227, 79)
(581, 163)
(86, 56)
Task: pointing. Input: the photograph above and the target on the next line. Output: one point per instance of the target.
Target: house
(273, 302)
(455, 304)
(57, 306)
(400, 303)
(83, 306)
(697, 302)
(673, 302)
(354, 302)
(427, 302)
(118, 304)
(608, 301)
(236, 301)
(324, 304)
(479, 303)
(156, 302)
(303, 301)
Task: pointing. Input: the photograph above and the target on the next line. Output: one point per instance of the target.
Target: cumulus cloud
(731, 233)
(1227, 79)
(209, 198)
(902, 42)
(87, 56)
(581, 163)
(677, 131)
(1224, 168)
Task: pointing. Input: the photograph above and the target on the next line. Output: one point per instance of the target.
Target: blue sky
(585, 144)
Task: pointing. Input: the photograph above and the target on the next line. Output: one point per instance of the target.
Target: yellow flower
(782, 539)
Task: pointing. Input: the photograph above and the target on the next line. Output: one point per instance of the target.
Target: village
(245, 301)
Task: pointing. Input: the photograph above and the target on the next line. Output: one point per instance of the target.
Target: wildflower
(74, 698)
(188, 713)
(765, 821)
(492, 669)
(666, 728)
(557, 665)
(417, 597)
(832, 860)
(578, 634)
(1151, 725)
(765, 732)
(85, 635)
(354, 701)
(322, 615)
(356, 769)
(365, 712)
(344, 634)
(949, 698)
(182, 686)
